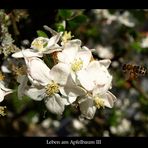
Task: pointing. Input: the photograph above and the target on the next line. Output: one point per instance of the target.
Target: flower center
(2, 110)
(67, 36)
(77, 65)
(52, 88)
(39, 44)
(99, 102)
(1, 77)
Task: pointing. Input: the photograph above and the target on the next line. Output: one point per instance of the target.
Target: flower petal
(69, 52)
(109, 99)
(68, 100)
(35, 94)
(55, 104)
(53, 32)
(27, 53)
(4, 91)
(38, 70)
(87, 108)
(95, 76)
(53, 40)
(60, 73)
(2, 95)
(7, 90)
(85, 80)
(72, 90)
(85, 55)
(54, 48)
(105, 62)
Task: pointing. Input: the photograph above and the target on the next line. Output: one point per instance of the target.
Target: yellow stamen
(52, 88)
(2, 110)
(67, 36)
(1, 76)
(39, 44)
(99, 102)
(77, 65)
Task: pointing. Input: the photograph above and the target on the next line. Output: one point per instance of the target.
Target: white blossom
(4, 91)
(74, 57)
(40, 46)
(50, 83)
(125, 18)
(104, 52)
(89, 104)
(97, 81)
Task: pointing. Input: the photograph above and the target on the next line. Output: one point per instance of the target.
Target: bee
(133, 71)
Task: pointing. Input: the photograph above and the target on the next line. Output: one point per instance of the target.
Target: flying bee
(133, 71)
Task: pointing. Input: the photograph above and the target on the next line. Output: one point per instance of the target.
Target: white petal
(75, 42)
(69, 53)
(4, 91)
(72, 90)
(68, 100)
(35, 94)
(53, 32)
(5, 69)
(85, 80)
(72, 99)
(106, 62)
(2, 94)
(60, 73)
(53, 40)
(87, 108)
(27, 53)
(54, 48)
(7, 90)
(85, 56)
(34, 82)
(55, 104)
(109, 99)
(96, 77)
(38, 70)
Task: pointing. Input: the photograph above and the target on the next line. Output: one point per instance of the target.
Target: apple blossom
(47, 84)
(97, 81)
(74, 57)
(40, 46)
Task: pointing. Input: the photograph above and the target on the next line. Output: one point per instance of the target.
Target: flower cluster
(75, 77)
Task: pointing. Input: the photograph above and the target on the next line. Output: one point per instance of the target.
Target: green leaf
(137, 47)
(65, 14)
(80, 19)
(60, 27)
(75, 22)
(41, 34)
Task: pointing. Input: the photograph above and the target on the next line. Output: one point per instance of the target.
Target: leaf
(65, 14)
(75, 22)
(60, 27)
(41, 34)
(137, 47)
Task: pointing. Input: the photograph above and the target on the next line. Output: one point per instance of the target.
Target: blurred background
(118, 35)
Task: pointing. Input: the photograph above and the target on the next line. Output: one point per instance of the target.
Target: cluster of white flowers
(75, 78)
(125, 18)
